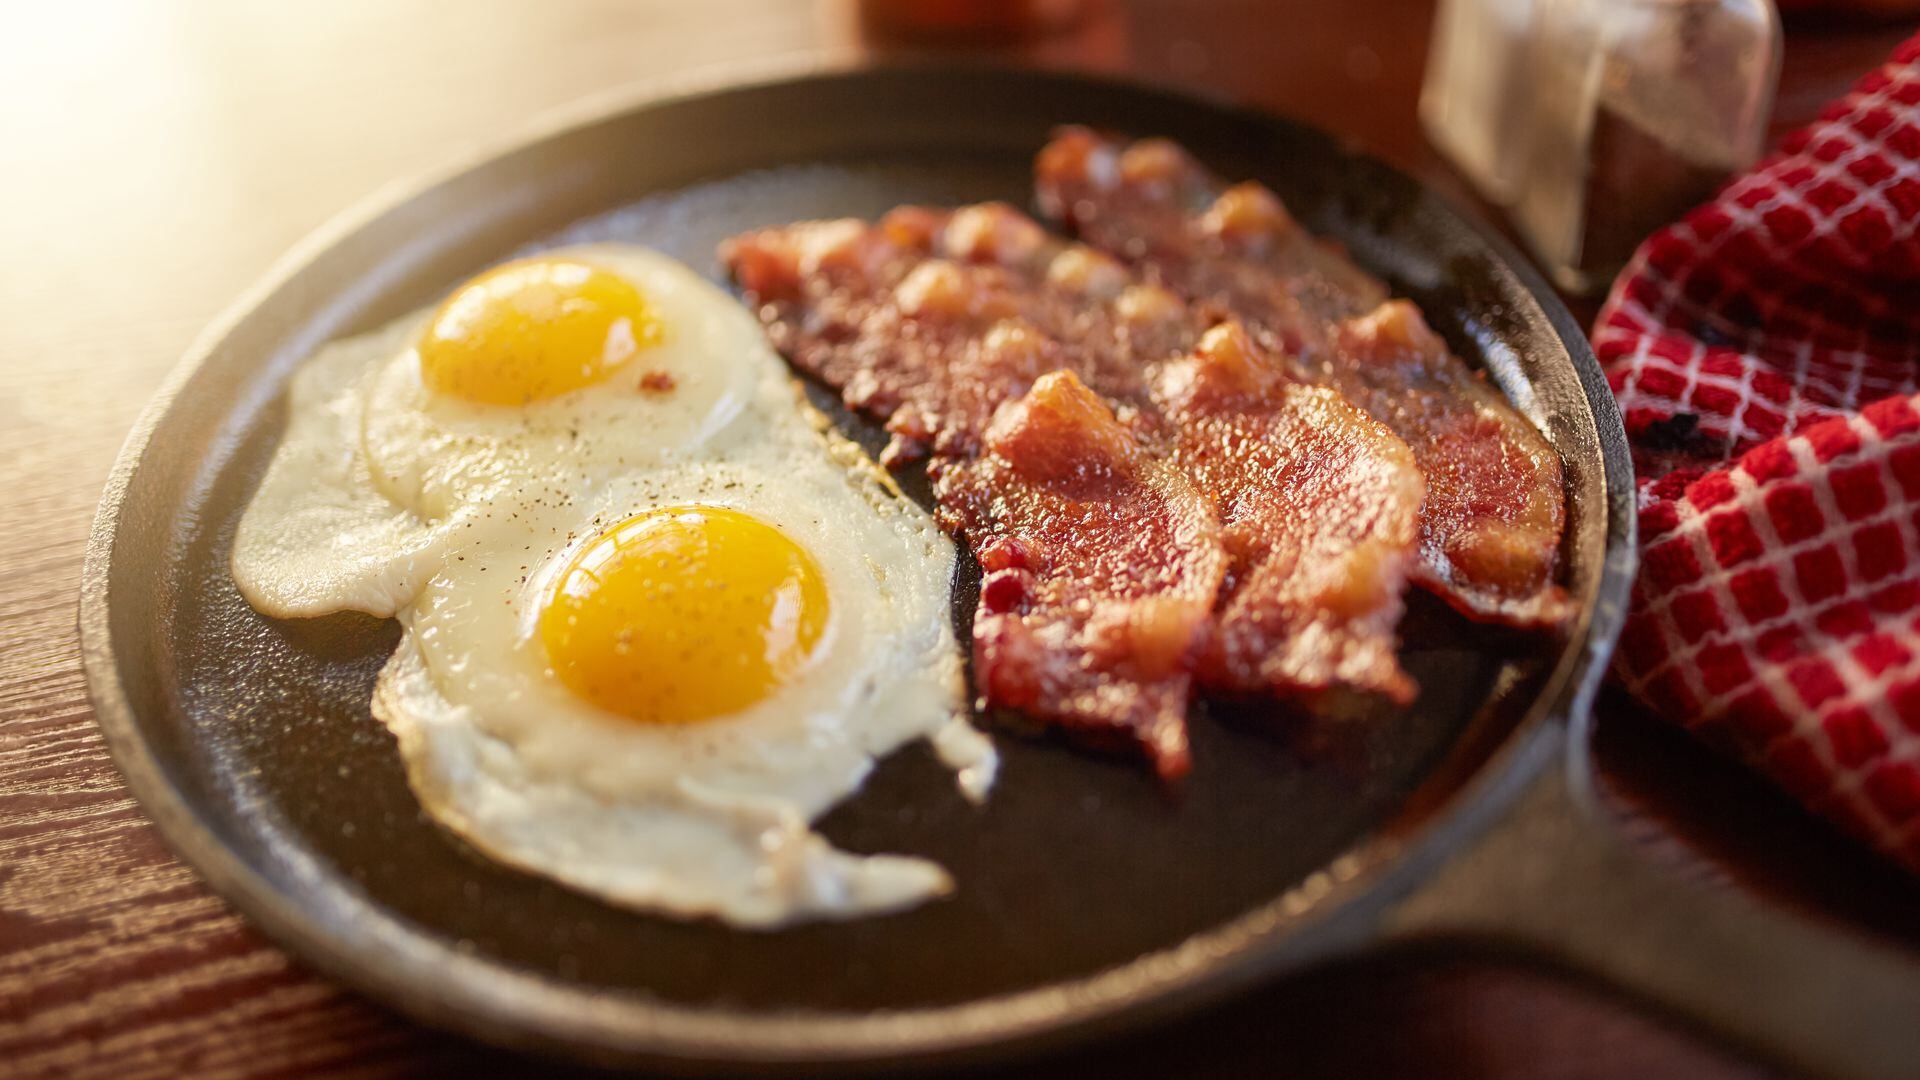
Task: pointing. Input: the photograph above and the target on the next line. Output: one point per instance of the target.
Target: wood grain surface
(158, 156)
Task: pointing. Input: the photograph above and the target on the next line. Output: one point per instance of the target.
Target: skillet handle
(1553, 880)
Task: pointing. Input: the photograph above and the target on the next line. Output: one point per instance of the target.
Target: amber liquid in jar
(1636, 185)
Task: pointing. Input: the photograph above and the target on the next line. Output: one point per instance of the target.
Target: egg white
(456, 519)
(438, 455)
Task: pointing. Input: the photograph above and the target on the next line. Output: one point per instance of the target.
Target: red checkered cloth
(1764, 351)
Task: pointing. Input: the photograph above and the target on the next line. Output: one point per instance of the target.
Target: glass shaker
(1596, 122)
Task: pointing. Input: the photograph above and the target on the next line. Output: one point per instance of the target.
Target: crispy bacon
(1490, 529)
(1088, 454)
(1235, 248)
(931, 319)
(1320, 506)
(1100, 563)
(1494, 507)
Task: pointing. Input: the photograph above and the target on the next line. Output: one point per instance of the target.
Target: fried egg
(657, 616)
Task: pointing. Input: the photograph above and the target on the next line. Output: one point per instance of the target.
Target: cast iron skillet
(1089, 899)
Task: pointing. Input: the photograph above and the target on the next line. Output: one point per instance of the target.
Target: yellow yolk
(534, 329)
(683, 614)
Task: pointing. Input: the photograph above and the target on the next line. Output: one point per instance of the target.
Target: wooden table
(159, 156)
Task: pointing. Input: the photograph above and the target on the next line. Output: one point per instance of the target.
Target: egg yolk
(534, 329)
(684, 613)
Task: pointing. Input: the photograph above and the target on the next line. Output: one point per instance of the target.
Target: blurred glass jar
(1598, 121)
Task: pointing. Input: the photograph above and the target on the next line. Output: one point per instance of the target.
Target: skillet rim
(1335, 910)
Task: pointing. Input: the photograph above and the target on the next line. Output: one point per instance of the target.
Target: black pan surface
(1085, 890)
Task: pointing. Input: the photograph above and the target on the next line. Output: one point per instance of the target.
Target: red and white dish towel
(1766, 354)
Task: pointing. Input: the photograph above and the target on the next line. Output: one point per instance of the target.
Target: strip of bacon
(1494, 508)
(1101, 566)
(1236, 248)
(1320, 505)
(931, 319)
